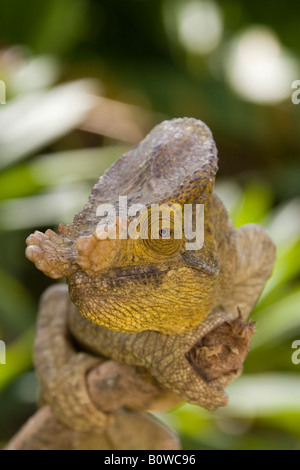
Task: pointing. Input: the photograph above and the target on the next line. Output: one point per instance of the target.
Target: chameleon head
(150, 279)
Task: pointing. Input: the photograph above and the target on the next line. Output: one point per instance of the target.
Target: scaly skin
(148, 302)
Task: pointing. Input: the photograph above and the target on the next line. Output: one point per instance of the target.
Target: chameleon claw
(49, 252)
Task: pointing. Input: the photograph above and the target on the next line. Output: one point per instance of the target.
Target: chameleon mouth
(118, 276)
(134, 272)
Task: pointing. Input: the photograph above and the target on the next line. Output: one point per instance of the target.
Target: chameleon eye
(164, 244)
(164, 233)
(159, 225)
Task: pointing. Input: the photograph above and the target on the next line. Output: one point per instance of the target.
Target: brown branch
(114, 388)
(125, 391)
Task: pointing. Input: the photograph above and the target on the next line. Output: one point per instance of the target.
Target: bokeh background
(86, 80)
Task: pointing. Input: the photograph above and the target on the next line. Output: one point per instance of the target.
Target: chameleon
(150, 302)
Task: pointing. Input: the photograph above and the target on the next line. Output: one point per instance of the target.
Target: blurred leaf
(286, 269)
(56, 169)
(278, 321)
(18, 358)
(53, 33)
(34, 120)
(17, 181)
(263, 395)
(256, 203)
(284, 222)
(283, 226)
(50, 26)
(31, 73)
(231, 193)
(50, 208)
(17, 307)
